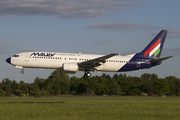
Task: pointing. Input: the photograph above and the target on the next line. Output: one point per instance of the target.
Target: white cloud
(173, 34)
(28, 50)
(171, 51)
(62, 8)
(107, 41)
(5, 47)
(120, 26)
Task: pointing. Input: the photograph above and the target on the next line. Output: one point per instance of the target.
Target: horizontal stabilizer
(154, 61)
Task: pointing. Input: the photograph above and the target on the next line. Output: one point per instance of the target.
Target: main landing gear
(87, 74)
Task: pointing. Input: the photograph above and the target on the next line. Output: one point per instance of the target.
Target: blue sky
(87, 26)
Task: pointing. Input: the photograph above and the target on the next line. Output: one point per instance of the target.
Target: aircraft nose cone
(8, 60)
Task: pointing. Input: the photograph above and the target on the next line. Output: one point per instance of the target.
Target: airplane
(70, 63)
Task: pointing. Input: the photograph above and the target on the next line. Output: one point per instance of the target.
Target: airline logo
(43, 54)
(154, 49)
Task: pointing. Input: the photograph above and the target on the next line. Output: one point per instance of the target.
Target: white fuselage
(50, 60)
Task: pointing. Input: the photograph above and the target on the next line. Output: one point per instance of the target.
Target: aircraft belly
(112, 67)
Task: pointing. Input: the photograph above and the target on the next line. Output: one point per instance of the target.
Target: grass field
(90, 108)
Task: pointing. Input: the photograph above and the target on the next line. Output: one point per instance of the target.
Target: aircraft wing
(90, 64)
(154, 61)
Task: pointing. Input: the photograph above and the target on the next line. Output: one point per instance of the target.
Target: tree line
(119, 84)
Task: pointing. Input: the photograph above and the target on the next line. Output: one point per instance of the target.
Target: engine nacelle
(70, 67)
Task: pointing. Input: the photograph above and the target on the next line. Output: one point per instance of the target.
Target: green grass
(94, 108)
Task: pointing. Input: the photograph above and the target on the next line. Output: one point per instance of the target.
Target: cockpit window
(15, 55)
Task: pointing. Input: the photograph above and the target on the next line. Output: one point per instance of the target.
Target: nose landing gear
(22, 71)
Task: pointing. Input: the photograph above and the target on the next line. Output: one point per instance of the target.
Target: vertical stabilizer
(154, 48)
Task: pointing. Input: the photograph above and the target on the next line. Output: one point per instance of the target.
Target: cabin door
(27, 57)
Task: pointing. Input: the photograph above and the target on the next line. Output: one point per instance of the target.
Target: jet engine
(69, 68)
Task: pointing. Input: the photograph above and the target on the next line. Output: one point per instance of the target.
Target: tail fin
(154, 48)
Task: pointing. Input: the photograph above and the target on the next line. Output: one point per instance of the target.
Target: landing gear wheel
(22, 71)
(87, 74)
